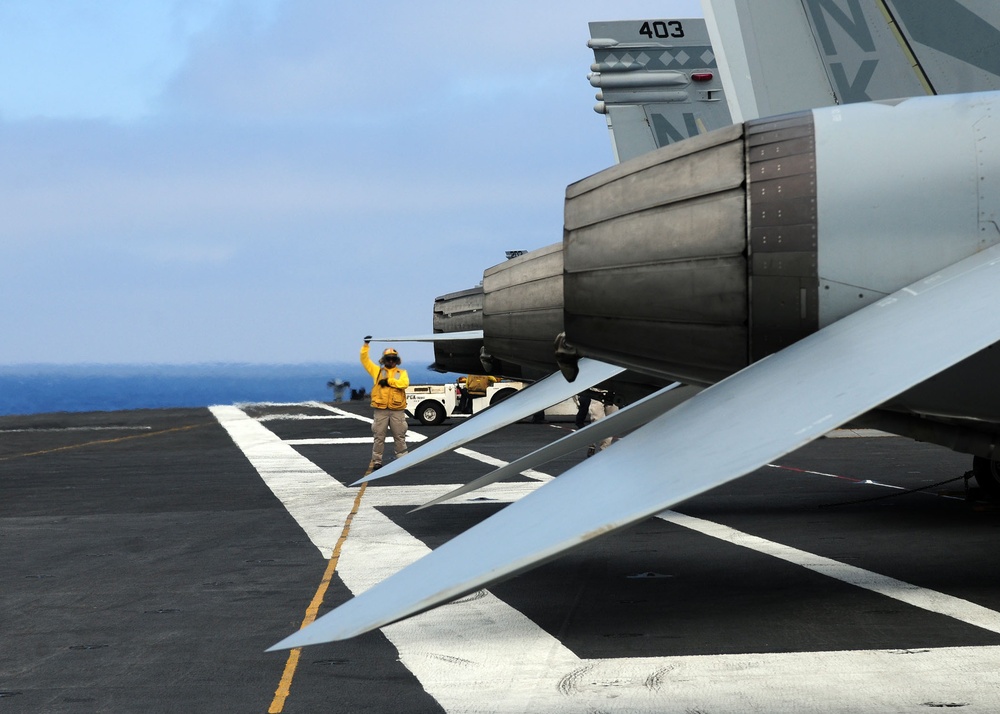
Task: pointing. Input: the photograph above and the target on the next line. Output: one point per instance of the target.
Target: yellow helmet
(390, 353)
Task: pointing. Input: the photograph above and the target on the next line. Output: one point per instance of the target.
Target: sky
(267, 181)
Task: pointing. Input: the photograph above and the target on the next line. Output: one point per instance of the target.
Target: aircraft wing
(630, 417)
(435, 337)
(540, 395)
(756, 415)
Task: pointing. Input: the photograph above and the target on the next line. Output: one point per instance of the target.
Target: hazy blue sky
(269, 180)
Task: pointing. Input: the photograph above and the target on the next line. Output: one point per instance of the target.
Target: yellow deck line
(101, 441)
(285, 685)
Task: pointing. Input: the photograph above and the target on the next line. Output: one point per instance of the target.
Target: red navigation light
(702, 77)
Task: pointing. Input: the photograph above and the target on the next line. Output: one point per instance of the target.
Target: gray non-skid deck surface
(146, 566)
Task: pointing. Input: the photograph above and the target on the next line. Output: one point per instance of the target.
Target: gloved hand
(383, 383)
(368, 338)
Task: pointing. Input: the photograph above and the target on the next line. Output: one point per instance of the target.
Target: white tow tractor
(431, 404)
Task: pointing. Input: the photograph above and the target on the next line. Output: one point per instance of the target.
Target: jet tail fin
(787, 56)
(659, 82)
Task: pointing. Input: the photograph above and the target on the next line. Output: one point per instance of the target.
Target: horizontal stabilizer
(435, 337)
(540, 395)
(758, 414)
(632, 416)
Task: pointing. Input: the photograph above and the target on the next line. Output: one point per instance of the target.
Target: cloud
(389, 61)
(309, 172)
(93, 60)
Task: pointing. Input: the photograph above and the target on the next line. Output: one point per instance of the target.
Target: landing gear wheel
(987, 473)
(430, 413)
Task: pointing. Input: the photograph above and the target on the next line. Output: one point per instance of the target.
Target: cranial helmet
(389, 353)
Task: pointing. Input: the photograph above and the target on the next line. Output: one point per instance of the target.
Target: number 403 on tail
(662, 29)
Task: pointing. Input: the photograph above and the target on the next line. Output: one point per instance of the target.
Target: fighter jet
(802, 271)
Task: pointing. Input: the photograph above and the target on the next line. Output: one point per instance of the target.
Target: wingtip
(375, 473)
(306, 636)
(442, 499)
(285, 644)
(342, 623)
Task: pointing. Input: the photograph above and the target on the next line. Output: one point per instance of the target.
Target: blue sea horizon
(44, 388)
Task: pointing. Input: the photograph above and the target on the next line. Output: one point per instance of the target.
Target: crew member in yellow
(388, 401)
(475, 385)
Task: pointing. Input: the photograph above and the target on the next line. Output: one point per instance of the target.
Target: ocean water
(37, 389)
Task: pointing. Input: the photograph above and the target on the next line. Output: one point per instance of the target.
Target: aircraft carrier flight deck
(150, 557)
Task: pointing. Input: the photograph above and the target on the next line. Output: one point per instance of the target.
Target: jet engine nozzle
(523, 309)
(694, 260)
(458, 312)
(656, 260)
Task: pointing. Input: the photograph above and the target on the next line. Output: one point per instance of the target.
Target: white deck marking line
(299, 417)
(241, 405)
(334, 440)
(492, 461)
(477, 654)
(455, 661)
(930, 600)
(467, 672)
(336, 410)
(319, 503)
(489, 460)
